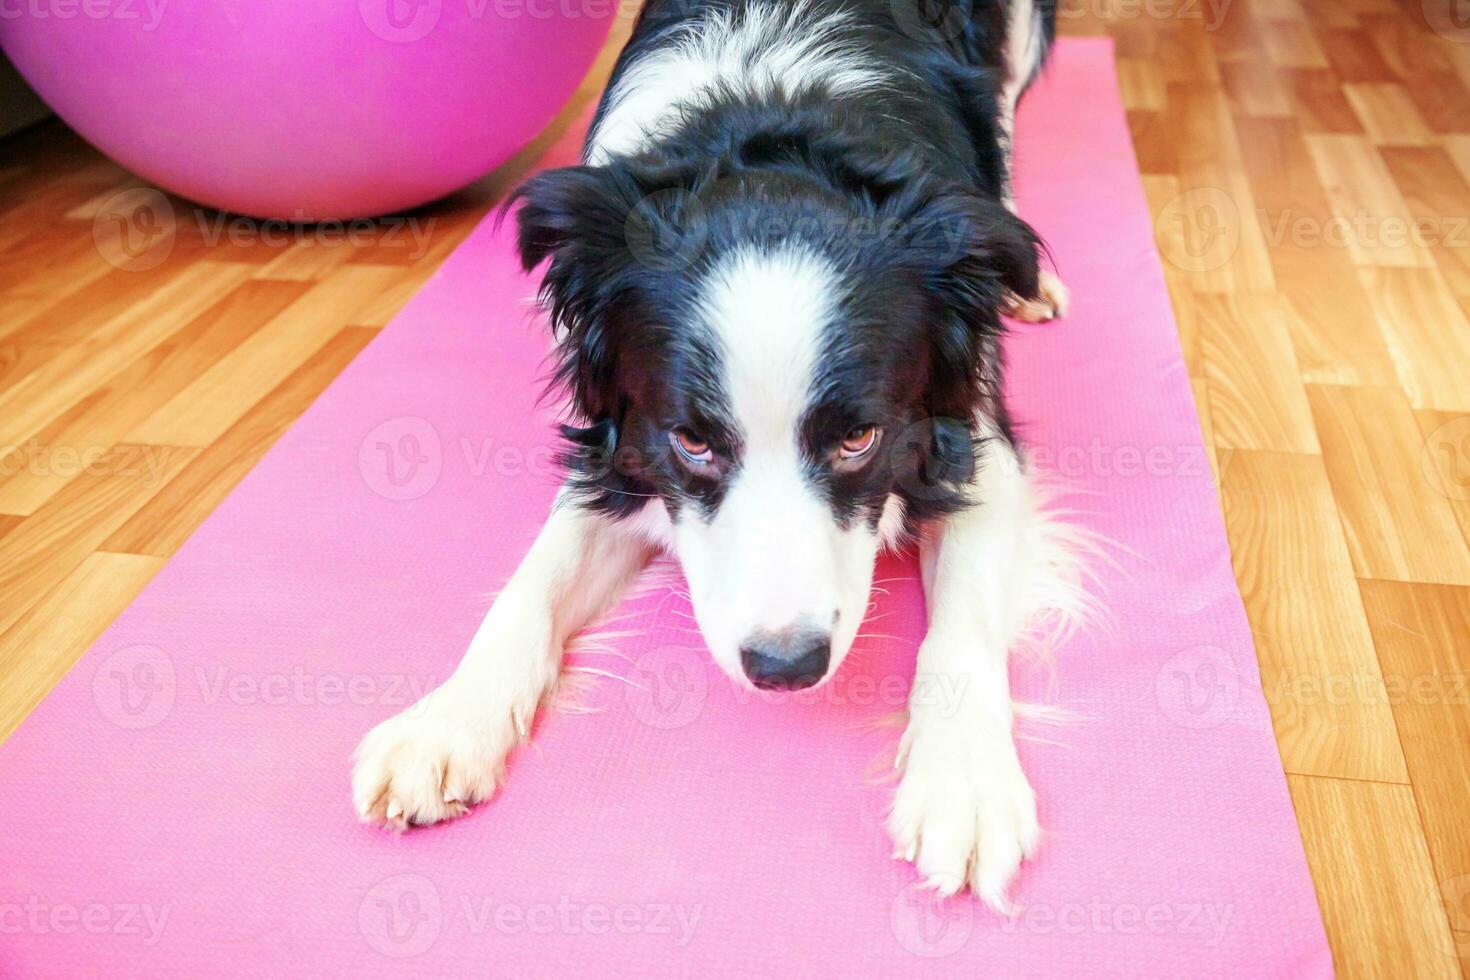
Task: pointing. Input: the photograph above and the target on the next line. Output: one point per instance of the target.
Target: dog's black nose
(786, 661)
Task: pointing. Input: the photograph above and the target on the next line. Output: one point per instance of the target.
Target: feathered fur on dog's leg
(964, 812)
(447, 752)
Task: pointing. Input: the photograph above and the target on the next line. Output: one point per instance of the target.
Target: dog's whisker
(608, 652)
(598, 672)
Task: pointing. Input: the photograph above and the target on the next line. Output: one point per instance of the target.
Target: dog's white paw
(435, 760)
(1050, 303)
(964, 814)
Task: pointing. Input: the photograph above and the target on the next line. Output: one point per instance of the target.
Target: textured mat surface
(179, 805)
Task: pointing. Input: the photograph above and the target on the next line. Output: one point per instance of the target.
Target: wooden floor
(1308, 163)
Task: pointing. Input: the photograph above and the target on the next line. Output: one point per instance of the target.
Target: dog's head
(791, 367)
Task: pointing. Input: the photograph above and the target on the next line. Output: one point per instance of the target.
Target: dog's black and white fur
(777, 283)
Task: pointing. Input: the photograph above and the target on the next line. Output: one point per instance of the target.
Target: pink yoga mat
(179, 805)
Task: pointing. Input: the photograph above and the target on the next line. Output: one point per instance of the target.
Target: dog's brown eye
(859, 441)
(691, 447)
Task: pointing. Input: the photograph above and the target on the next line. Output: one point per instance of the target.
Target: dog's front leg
(964, 813)
(447, 752)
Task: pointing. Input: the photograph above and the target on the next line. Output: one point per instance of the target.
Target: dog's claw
(434, 761)
(964, 814)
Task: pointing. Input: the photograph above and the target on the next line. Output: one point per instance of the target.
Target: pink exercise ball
(306, 109)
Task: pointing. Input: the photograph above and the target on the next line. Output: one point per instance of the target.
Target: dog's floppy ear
(975, 253)
(608, 232)
(575, 217)
(578, 208)
(971, 255)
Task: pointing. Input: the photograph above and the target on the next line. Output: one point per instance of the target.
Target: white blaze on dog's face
(796, 388)
(779, 581)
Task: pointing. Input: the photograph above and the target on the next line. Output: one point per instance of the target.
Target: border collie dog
(776, 283)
